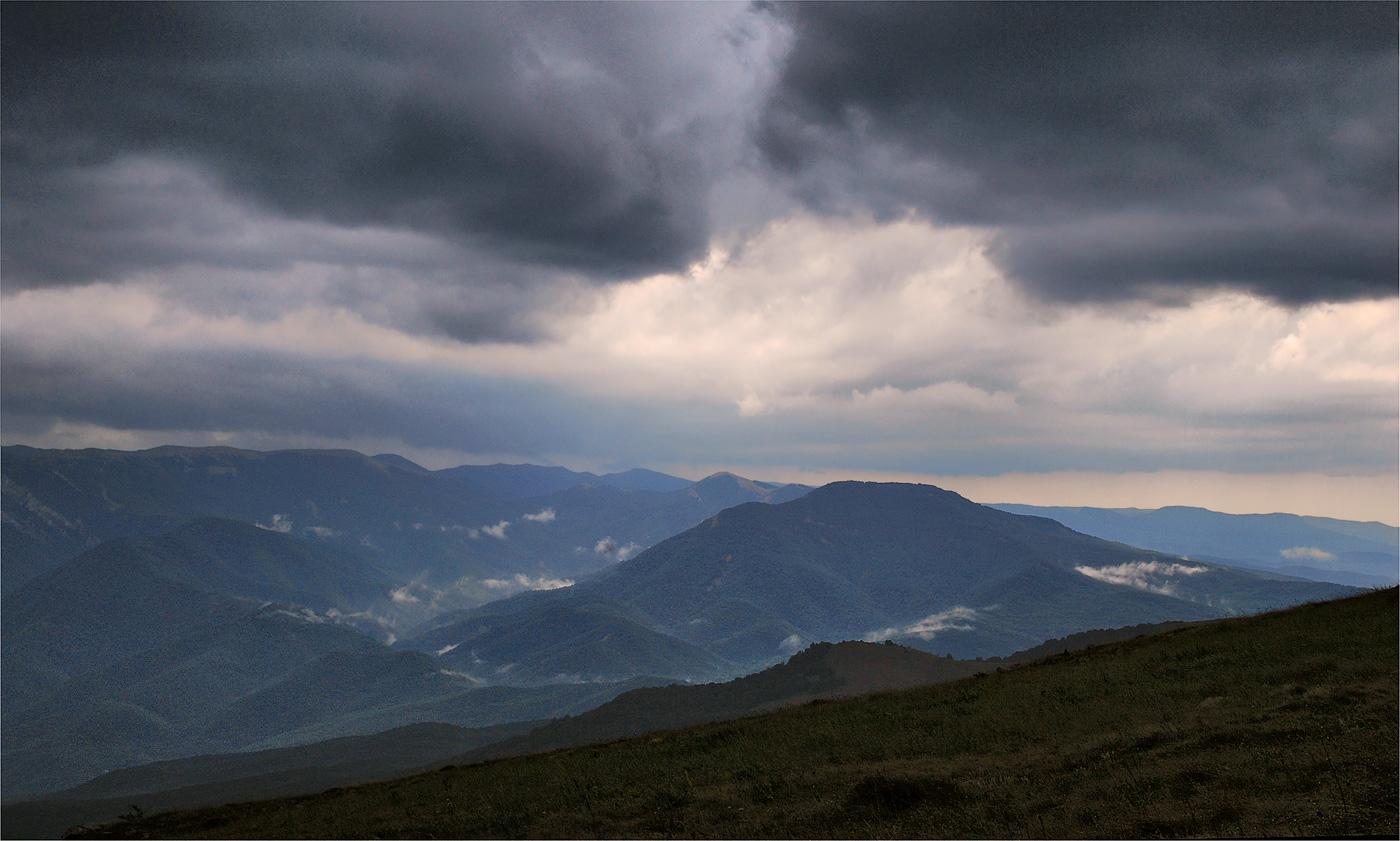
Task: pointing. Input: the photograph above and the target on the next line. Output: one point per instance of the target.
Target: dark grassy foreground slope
(1275, 725)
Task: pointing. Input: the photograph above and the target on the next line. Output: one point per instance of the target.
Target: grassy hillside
(825, 670)
(218, 778)
(1275, 725)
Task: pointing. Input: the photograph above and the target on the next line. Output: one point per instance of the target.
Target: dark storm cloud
(541, 132)
(1121, 149)
(266, 393)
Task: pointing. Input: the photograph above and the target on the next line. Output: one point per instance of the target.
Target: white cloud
(497, 531)
(609, 547)
(545, 516)
(361, 616)
(954, 619)
(1142, 575)
(792, 644)
(752, 406)
(301, 614)
(1311, 553)
(280, 523)
(523, 582)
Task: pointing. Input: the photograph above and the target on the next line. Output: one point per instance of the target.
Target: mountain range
(849, 560)
(521, 481)
(454, 538)
(183, 601)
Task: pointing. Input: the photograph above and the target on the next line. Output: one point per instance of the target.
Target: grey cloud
(1277, 122)
(267, 401)
(170, 224)
(264, 394)
(563, 135)
(1291, 258)
(86, 223)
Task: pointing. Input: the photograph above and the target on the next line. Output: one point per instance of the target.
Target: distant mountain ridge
(1317, 548)
(519, 481)
(58, 503)
(449, 535)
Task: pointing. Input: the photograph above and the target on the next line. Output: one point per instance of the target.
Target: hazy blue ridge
(395, 460)
(66, 501)
(595, 526)
(1318, 548)
(641, 479)
(520, 481)
(448, 535)
(516, 481)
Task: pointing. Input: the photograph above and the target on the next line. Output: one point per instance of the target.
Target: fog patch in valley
(1142, 575)
(497, 531)
(416, 602)
(957, 618)
(609, 548)
(521, 582)
(280, 524)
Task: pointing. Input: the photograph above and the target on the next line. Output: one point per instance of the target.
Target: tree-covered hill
(913, 563)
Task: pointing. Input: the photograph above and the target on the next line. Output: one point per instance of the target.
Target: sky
(1085, 254)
